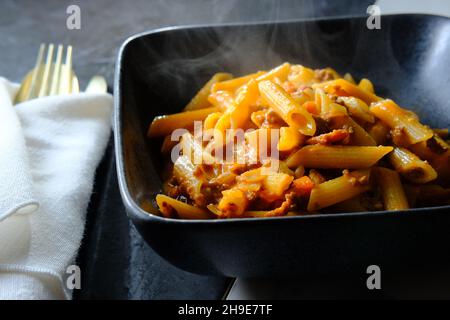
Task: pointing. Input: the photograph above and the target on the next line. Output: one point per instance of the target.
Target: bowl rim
(136, 212)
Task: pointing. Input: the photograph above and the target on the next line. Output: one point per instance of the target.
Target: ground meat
(339, 135)
(283, 208)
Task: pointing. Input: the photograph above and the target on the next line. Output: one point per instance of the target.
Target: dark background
(114, 260)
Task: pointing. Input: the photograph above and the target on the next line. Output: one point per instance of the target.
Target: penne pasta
(337, 157)
(211, 120)
(238, 113)
(410, 130)
(394, 197)
(379, 132)
(351, 205)
(287, 108)
(366, 85)
(358, 109)
(441, 133)
(233, 84)
(200, 100)
(221, 99)
(301, 75)
(347, 186)
(328, 109)
(349, 78)
(281, 73)
(165, 125)
(437, 152)
(411, 166)
(289, 139)
(169, 206)
(412, 194)
(342, 87)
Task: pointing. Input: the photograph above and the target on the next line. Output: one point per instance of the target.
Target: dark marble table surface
(115, 261)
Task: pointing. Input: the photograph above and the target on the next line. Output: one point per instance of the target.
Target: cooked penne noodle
(221, 99)
(342, 87)
(411, 166)
(328, 109)
(366, 85)
(350, 205)
(165, 125)
(281, 73)
(233, 84)
(287, 108)
(326, 74)
(396, 117)
(379, 132)
(358, 109)
(349, 78)
(441, 133)
(424, 150)
(339, 189)
(238, 113)
(300, 75)
(200, 100)
(337, 157)
(437, 152)
(211, 120)
(394, 197)
(168, 206)
(289, 139)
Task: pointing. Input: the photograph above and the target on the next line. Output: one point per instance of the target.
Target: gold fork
(49, 77)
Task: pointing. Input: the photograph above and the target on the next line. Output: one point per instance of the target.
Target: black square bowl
(157, 72)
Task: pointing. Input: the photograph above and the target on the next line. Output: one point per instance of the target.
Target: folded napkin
(49, 150)
(16, 195)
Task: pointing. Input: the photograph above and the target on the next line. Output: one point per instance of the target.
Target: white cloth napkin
(49, 150)
(16, 195)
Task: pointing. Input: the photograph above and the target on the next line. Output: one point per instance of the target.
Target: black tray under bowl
(408, 60)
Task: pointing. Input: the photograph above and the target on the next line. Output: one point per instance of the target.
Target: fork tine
(66, 76)
(36, 72)
(69, 68)
(46, 77)
(56, 71)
